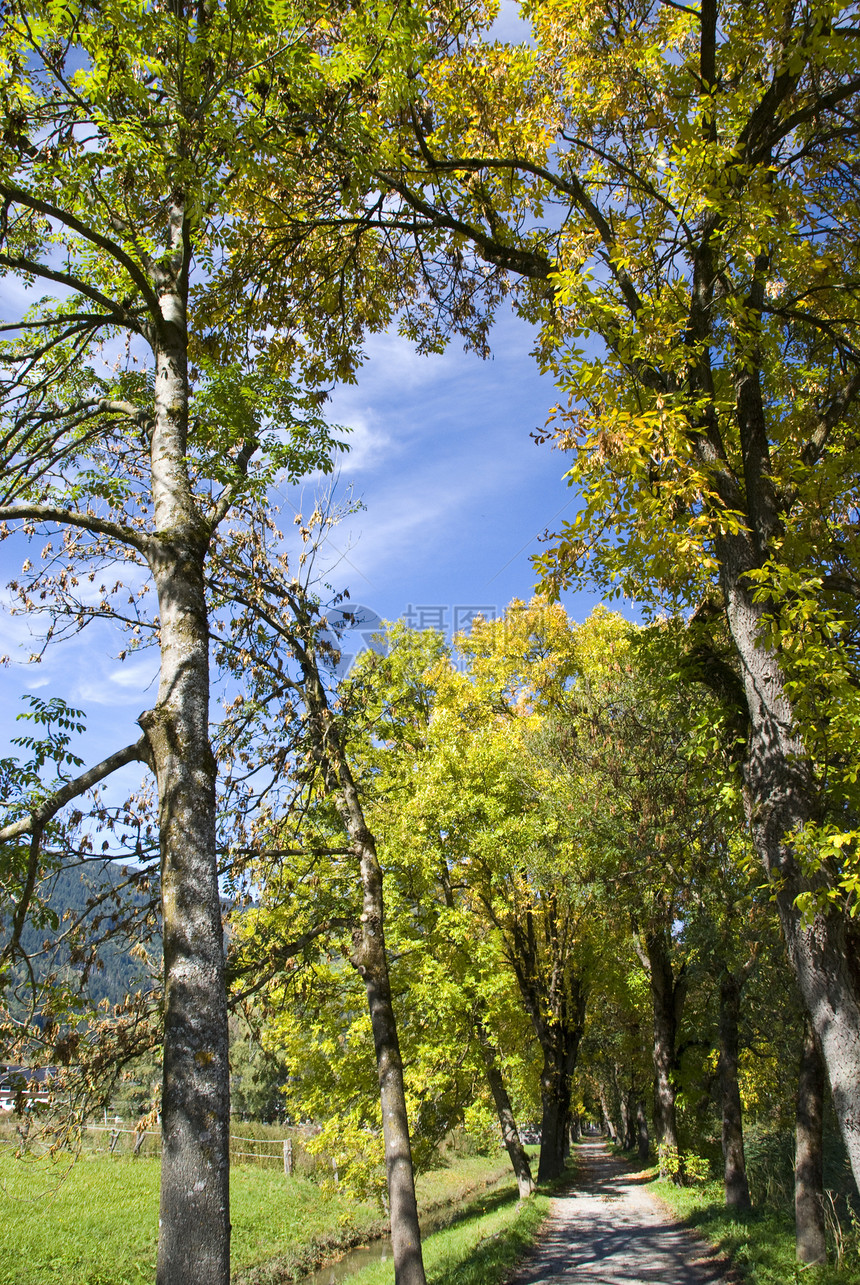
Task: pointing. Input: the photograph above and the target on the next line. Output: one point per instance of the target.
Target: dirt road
(609, 1231)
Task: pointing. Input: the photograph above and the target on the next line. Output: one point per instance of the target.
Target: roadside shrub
(684, 1169)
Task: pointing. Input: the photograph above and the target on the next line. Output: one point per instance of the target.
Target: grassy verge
(760, 1244)
(480, 1249)
(95, 1222)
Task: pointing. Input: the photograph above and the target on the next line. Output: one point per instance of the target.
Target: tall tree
(524, 868)
(274, 620)
(136, 396)
(676, 185)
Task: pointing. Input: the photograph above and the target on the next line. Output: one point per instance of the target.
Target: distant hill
(69, 894)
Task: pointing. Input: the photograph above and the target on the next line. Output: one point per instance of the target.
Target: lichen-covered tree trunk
(194, 1219)
(781, 799)
(370, 960)
(734, 1163)
(809, 1159)
(505, 1113)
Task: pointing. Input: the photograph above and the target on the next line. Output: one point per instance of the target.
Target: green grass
(95, 1222)
(480, 1249)
(760, 1244)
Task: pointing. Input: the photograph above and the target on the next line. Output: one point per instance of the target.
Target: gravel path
(609, 1231)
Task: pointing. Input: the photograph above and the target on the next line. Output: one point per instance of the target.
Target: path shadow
(617, 1236)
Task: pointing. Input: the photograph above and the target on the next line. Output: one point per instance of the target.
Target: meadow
(94, 1221)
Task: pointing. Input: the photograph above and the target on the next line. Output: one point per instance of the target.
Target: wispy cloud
(368, 441)
(130, 683)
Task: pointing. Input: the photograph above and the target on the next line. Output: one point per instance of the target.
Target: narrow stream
(380, 1250)
(352, 1261)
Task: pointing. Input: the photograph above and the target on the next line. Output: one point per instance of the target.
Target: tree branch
(38, 818)
(220, 508)
(19, 194)
(279, 956)
(829, 419)
(70, 517)
(116, 313)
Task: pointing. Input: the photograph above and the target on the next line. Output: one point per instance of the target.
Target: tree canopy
(669, 192)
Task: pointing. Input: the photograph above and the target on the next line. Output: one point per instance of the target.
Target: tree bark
(667, 998)
(781, 799)
(555, 1107)
(194, 1219)
(504, 1110)
(560, 1045)
(809, 1161)
(370, 960)
(608, 1116)
(630, 1119)
(735, 1175)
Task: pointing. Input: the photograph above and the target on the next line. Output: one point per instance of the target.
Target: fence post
(288, 1156)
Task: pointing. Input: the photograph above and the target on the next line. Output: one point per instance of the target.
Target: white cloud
(130, 684)
(393, 368)
(36, 682)
(139, 674)
(368, 443)
(397, 524)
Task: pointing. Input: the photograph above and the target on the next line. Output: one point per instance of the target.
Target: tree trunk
(735, 1174)
(557, 1013)
(371, 962)
(809, 1161)
(504, 1110)
(608, 1115)
(781, 799)
(555, 1109)
(623, 1120)
(575, 1129)
(667, 997)
(642, 1131)
(194, 1218)
(560, 1041)
(630, 1119)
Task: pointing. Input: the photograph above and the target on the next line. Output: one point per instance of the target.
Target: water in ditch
(353, 1261)
(380, 1250)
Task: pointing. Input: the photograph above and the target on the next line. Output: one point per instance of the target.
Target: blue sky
(456, 495)
(457, 492)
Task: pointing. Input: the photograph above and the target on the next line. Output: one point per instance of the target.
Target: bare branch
(71, 517)
(138, 752)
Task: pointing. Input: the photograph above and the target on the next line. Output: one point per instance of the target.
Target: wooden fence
(242, 1146)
